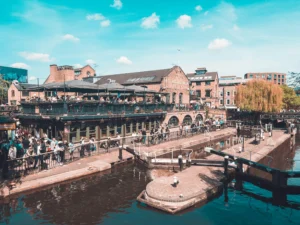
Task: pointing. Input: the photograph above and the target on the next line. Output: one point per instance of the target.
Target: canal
(111, 199)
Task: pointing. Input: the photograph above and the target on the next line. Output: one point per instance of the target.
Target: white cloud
(219, 43)
(124, 60)
(184, 21)
(77, 65)
(20, 65)
(206, 27)
(150, 22)
(90, 61)
(105, 23)
(198, 8)
(31, 78)
(96, 16)
(117, 4)
(70, 37)
(206, 12)
(34, 56)
(235, 27)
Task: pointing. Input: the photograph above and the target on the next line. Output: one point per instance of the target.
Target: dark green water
(110, 199)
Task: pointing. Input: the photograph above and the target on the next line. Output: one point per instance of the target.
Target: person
(82, 147)
(167, 133)
(65, 148)
(144, 134)
(12, 152)
(102, 99)
(41, 151)
(26, 144)
(180, 130)
(57, 151)
(71, 150)
(53, 144)
(92, 144)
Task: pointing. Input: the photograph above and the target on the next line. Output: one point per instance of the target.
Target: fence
(31, 164)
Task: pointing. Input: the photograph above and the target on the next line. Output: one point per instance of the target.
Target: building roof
(201, 68)
(23, 86)
(144, 77)
(265, 73)
(231, 82)
(200, 77)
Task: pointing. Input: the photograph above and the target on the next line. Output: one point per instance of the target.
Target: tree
(290, 99)
(259, 96)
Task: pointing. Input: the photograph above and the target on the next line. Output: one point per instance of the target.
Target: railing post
(120, 152)
(226, 158)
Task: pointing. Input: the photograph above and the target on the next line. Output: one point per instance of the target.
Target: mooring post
(180, 162)
(239, 182)
(226, 158)
(120, 152)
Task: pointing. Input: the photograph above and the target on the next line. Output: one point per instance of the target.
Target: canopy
(68, 86)
(140, 89)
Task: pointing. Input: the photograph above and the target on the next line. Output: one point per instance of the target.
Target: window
(263, 76)
(13, 102)
(180, 98)
(173, 121)
(251, 76)
(283, 81)
(234, 93)
(221, 101)
(228, 102)
(228, 93)
(88, 73)
(207, 93)
(77, 72)
(198, 93)
(269, 77)
(198, 83)
(25, 93)
(173, 97)
(207, 83)
(275, 76)
(278, 76)
(232, 102)
(13, 94)
(282, 76)
(221, 94)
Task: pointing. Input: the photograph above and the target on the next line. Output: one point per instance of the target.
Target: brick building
(204, 87)
(61, 73)
(172, 80)
(275, 77)
(18, 92)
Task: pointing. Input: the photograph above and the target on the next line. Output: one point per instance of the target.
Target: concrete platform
(199, 184)
(77, 169)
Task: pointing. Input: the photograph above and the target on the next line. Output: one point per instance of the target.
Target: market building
(171, 81)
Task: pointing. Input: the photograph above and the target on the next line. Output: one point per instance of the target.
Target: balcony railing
(93, 108)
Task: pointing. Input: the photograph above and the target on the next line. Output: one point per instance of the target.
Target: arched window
(173, 121)
(198, 118)
(88, 73)
(180, 98)
(187, 120)
(13, 93)
(174, 97)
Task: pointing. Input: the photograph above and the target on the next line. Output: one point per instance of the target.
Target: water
(111, 199)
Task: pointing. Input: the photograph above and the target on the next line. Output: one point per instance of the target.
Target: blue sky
(231, 37)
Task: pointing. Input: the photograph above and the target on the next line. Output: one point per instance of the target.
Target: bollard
(180, 162)
(175, 182)
(120, 153)
(226, 165)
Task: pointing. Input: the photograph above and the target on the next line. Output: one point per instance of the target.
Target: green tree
(290, 99)
(259, 96)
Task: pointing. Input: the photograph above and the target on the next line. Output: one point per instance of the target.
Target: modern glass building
(10, 74)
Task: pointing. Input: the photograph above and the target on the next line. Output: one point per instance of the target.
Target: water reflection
(87, 201)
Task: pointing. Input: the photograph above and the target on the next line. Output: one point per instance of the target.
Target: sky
(119, 36)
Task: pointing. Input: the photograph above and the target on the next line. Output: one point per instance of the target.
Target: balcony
(89, 108)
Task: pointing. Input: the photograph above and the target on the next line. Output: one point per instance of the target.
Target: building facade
(204, 87)
(172, 80)
(18, 93)
(227, 91)
(275, 77)
(10, 74)
(65, 73)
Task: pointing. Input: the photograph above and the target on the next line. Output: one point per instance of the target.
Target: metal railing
(29, 164)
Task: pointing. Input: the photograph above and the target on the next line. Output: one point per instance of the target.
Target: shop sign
(8, 126)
